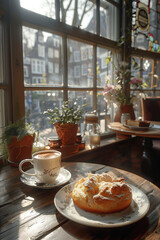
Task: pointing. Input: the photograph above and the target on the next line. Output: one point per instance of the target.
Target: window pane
(43, 7)
(81, 14)
(83, 99)
(147, 71)
(36, 102)
(146, 38)
(109, 21)
(80, 64)
(42, 57)
(103, 69)
(135, 71)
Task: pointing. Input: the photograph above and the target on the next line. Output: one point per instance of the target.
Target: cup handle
(20, 167)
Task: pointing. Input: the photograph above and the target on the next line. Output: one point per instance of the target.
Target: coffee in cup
(46, 164)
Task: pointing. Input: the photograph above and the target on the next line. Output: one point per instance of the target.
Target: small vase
(124, 109)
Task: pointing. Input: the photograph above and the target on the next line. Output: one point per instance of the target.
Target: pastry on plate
(102, 193)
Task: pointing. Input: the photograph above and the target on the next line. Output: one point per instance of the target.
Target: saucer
(63, 177)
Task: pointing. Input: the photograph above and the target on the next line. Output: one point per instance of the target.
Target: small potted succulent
(17, 141)
(65, 121)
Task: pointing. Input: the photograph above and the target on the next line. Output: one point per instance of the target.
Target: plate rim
(46, 186)
(103, 225)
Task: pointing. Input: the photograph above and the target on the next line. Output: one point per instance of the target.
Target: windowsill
(86, 155)
(106, 143)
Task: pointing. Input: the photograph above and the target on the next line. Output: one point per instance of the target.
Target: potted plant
(120, 93)
(65, 121)
(17, 140)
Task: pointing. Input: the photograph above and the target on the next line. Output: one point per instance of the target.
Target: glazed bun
(102, 193)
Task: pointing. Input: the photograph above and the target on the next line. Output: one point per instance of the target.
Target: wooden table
(124, 132)
(29, 213)
(148, 159)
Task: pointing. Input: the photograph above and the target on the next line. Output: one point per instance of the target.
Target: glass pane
(80, 64)
(109, 21)
(42, 58)
(103, 69)
(81, 14)
(147, 71)
(153, 4)
(135, 71)
(43, 7)
(36, 102)
(83, 99)
(146, 38)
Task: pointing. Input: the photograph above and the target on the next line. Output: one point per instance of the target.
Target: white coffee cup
(46, 163)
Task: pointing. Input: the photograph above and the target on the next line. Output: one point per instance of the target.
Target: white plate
(63, 177)
(136, 128)
(137, 210)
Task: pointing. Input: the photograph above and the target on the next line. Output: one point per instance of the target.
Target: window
(50, 52)
(84, 17)
(149, 72)
(41, 7)
(56, 68)
(84, 54)
(77, 72)
(38, 66)
(41, 52)
(76, 56)
(56, 54)
(109, 17)
(50, 67)
(56, 42)
(26, 71)
(146, 28)
(63, 62)
(84, 69)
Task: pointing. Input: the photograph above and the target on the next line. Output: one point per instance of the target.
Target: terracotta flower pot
(19, 150)
(67, 132)
(124, 109)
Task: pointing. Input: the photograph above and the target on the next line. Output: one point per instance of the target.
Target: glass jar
(91, 135)
(124, 117)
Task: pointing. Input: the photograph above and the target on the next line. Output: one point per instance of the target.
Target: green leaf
(108, 60)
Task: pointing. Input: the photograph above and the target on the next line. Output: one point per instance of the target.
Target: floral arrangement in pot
(120, 93)
(66, 121)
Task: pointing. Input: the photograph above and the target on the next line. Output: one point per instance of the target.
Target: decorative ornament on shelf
(120, 93)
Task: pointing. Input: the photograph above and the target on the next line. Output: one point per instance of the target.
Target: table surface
(120, 129)
(29, 213)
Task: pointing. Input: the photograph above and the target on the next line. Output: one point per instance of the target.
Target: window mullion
(65, 68)
(57, 9)
(95, 77)
(98, 17)
(16, 61)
